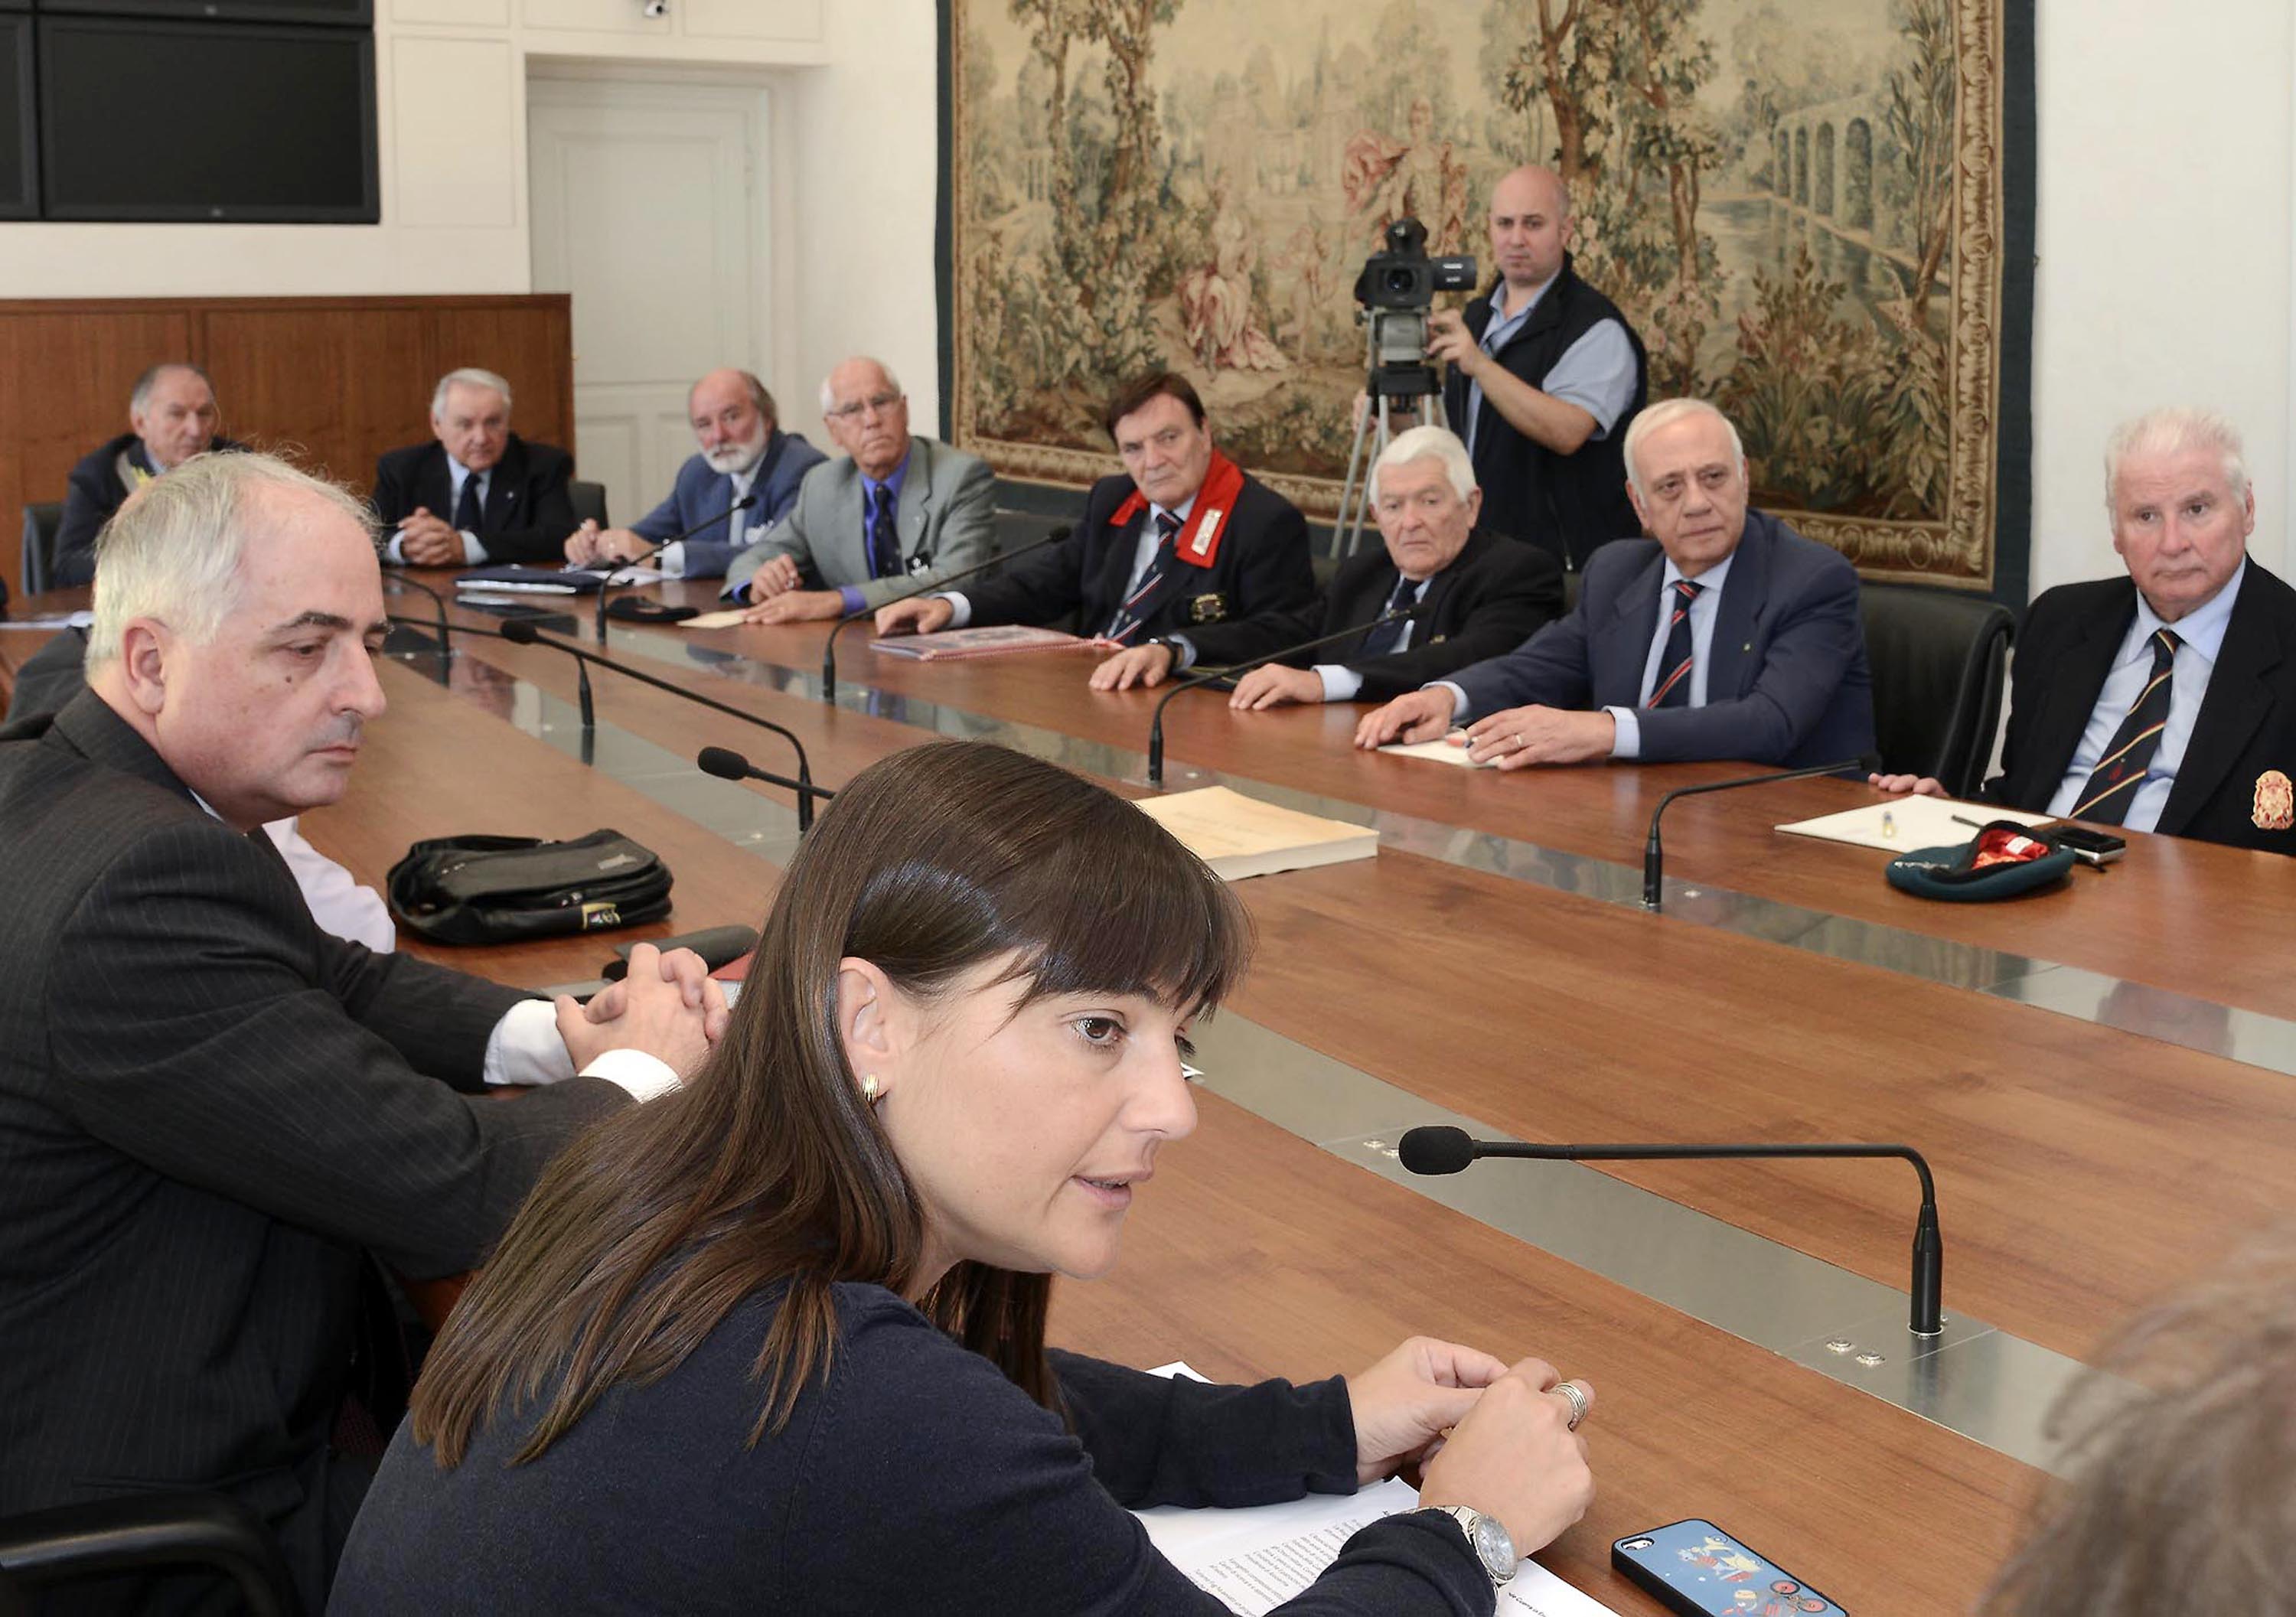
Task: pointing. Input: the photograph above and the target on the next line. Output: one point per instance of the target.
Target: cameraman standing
(1544, 376)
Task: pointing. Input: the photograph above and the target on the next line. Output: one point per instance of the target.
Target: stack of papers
(995, 641)
(1239, 836)
(1451, 749)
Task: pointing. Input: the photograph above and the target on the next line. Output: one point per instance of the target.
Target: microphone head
(1060, 535)
(723, 762)
(744, 503)
(519, 631)
(1869, 763)
(1436, 1148)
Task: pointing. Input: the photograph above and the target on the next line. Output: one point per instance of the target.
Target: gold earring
(869, 1089)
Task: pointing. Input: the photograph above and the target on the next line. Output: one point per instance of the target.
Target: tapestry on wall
(1799, 203)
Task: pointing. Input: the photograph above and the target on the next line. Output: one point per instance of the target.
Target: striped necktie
(2113, 783)
(1673, 687)
(1136, 608)
(1382, 638)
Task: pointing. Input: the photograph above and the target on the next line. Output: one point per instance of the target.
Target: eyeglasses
(878, 402)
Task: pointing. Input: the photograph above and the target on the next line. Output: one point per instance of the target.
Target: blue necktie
(2113, 783)
(1382, 638)
(1673, 687)
(468, 511)
(884, 543)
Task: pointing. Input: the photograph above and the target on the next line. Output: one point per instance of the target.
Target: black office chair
(152, 1533)
(38, 564)
(1939, 660)
(588, 500)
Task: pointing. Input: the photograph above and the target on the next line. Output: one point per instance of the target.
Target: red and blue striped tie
(1673, 687)
(2113, 783)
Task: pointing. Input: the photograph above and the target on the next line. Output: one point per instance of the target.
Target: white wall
(2167, 233)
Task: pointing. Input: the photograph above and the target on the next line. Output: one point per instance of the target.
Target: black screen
(17, 198)
(359, 11)
(165, 120)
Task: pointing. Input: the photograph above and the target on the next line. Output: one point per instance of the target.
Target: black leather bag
(507, 888)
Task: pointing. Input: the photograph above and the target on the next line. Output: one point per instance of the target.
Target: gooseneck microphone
(519, 632)
(1436, 1149)
(436, 600)
(729, 765)
(829, 648)
(1156, 722)
(608, 585)
(1654, 857)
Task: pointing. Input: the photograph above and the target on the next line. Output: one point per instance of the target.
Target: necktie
(1673, 687)
(468, 509)
(2114, 781)
(884, 543)
(1382, 638)
(1137, 606)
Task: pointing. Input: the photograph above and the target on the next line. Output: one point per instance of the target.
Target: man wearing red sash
(1183, 537)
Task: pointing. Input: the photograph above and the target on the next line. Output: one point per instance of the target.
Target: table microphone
(1156, 724)
(829, 649)
(1438, 1149)
(436, 600)
(729, 765)
(606, 587)
(520, 632)
(1653, 857)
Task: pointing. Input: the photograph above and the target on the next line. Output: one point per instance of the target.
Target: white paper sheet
(1443, 750)
(1904, 824)
(80, 619)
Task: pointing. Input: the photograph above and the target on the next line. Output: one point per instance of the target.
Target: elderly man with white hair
(1725, 635)
(213, 1110)
(1478, 593)
(893, 515)
(478, 492)
(2164, 699)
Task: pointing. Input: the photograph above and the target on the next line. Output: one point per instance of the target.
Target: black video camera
(1405, 277)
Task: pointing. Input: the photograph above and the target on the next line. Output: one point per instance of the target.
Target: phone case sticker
(1722, 1575)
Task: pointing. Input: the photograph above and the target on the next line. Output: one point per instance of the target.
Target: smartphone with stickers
(1699, 1571)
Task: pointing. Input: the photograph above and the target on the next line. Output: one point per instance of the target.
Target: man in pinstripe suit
(208, 1106)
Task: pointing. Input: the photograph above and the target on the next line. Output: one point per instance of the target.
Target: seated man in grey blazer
(895, 514)
(1725, 635)
(212, 1110)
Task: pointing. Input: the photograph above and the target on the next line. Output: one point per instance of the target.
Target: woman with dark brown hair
(775, 1342)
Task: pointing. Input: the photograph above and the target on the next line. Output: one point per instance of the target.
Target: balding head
(733, 417)
(1530, 226)
(173, 410)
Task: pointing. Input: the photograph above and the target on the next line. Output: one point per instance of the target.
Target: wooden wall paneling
(64, 382)
(530, 342)
(332, 388)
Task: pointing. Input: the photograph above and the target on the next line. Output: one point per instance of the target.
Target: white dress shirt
(2202, 633)
(474, 554)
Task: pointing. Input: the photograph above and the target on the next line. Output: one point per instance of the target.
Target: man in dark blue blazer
(743, 452)
(478, 492)
(1183, 537)
(172, 413)
(1726, 635)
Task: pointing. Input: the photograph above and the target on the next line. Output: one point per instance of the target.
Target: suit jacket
(207, 1108)
(94, 492)
(701, 492)
(1787, 683)
(1495, 594)
(1261, 566)
(526, 515)
(2246, 727)
(50, 676)
(945, 521)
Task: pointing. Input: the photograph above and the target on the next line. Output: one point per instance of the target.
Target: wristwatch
(1488, 1537)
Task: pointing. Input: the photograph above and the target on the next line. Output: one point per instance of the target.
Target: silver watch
(1488, 1537)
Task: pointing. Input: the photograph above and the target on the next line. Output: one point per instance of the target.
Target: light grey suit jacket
(946, 523)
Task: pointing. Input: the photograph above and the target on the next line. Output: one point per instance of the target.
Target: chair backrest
(38, 566)
(1939, 660)
(147, 1532)
(588, 500)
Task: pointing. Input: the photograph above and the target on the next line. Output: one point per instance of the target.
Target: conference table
(2098, 1074)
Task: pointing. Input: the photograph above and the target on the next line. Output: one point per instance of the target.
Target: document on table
(1444, 750)
(80, 619)
(1904, 824)
(1255, 1560)
(721, 620)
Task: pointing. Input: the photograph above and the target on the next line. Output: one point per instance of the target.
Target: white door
(648, 208)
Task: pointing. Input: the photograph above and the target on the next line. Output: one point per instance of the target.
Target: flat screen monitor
(227, 121)
(19, 197)
(356, 12)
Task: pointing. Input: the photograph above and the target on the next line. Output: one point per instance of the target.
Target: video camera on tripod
(1396, 290)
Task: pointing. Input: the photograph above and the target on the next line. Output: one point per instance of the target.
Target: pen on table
(1963, 819)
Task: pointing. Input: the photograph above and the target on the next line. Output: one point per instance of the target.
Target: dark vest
(1568, 503)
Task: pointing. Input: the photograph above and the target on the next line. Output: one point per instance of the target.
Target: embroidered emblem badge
(1207, 609)
(2275, 808)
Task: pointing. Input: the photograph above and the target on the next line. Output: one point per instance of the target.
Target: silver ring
(1518, 742)
(1578, 1400)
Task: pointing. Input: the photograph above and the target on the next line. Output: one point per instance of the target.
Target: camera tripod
(1392, 382)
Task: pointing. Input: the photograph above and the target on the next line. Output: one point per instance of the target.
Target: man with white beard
(744, 451)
